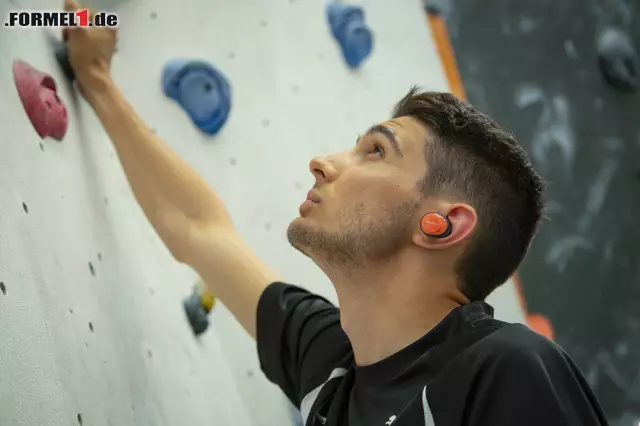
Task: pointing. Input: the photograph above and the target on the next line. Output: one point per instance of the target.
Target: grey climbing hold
(618, 59)
(196, 313)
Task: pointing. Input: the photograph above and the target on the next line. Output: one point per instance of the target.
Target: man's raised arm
(186, 213)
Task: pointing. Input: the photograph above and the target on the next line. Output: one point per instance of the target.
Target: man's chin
(301, 236)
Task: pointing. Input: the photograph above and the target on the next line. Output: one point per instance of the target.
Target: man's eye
(377, 150)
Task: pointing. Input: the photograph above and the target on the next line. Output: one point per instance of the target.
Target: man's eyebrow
(389, 133)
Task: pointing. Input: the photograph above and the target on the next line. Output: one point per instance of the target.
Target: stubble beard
(364, 236)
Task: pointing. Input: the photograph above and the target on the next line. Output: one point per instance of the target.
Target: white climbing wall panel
(92, 320)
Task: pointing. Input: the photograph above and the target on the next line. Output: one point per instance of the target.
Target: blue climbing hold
(201, 90)
(351, 32)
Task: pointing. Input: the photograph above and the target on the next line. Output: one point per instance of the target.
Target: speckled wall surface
(91, 320)
(533, 65)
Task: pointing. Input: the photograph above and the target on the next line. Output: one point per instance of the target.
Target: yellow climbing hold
(207, 299)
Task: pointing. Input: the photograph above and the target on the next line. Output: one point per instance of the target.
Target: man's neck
(385, 309)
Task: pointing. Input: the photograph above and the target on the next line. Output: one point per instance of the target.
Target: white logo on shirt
(391, 420)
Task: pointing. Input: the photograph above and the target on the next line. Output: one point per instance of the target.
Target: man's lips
(312, 196)
(312, 200)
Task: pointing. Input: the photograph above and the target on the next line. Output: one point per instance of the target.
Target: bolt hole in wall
(91, 326)
(92, 269)
(3, 288)
(25, 208)
(79, 419)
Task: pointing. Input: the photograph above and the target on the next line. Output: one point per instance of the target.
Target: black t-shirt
(470, 370)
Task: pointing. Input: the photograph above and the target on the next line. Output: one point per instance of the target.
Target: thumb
(70, 5)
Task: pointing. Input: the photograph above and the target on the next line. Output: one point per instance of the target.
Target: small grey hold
(196, 314)
(62, 56)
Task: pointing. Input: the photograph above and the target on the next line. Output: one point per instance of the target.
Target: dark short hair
(470, 158)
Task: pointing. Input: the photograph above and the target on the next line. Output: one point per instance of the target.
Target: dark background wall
(532, 65)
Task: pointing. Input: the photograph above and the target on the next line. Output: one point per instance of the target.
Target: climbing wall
(92, 328)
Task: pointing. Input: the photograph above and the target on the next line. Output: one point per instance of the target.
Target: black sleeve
(533, 385)
(300, 339)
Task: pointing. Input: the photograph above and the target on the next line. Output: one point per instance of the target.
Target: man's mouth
(312, 196)
(312, 200)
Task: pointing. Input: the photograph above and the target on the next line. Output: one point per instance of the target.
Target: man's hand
(90, 51)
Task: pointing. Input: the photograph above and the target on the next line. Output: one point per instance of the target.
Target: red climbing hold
(40, 100)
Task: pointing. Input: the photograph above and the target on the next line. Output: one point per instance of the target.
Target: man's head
(436, 154)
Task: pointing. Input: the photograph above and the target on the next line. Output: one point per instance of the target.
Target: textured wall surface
(91, 321)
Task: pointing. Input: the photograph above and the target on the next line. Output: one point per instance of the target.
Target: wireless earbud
(435, 225)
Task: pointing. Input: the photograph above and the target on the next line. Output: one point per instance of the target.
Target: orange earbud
(435, 225)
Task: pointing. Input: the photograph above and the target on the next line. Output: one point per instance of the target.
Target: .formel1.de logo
(80, 18)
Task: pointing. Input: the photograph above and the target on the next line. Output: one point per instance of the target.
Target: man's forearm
(172, 195)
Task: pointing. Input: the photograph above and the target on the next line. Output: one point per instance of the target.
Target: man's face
(364, 204)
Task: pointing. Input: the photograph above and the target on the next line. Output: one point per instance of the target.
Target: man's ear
(463, 220)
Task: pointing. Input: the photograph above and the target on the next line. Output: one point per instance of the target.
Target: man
(415, 226)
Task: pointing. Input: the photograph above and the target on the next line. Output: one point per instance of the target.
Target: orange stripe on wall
(536, 322)
(443, 45)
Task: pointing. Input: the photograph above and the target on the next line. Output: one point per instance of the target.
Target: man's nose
(323, 169)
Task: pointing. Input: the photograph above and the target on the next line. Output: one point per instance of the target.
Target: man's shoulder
(513, 375)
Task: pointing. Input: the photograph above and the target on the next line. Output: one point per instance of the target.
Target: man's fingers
(72, 6)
